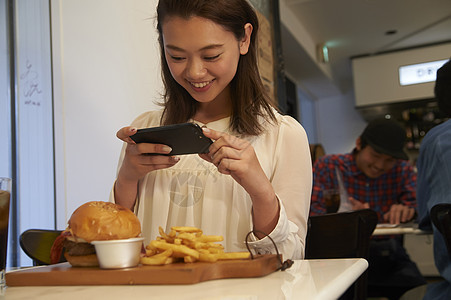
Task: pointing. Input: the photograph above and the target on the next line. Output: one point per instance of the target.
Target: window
(27, 155)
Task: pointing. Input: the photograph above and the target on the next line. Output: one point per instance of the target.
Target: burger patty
(78, 249)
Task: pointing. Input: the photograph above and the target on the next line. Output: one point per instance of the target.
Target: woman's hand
(236, 157)
(143, 158)
(139, 160)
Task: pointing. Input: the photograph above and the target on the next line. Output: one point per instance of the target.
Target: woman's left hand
(236, 157)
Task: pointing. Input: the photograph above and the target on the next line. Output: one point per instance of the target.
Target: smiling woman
(210, 73)
(201, 65)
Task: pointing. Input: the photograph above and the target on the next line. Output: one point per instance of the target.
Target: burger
(93, 221)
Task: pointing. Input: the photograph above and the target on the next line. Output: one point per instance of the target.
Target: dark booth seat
(441, 217)
(342, 235)
(36, 243)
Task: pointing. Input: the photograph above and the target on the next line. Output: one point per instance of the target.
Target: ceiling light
(322, 53)
(391, 32)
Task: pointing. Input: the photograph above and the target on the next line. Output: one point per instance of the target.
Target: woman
(257, 174)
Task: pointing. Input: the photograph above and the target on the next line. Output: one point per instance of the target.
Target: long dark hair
(250, 100)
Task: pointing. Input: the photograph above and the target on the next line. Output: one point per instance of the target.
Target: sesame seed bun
(98, 220)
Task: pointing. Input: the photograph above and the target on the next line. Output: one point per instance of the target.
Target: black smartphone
(184, 138)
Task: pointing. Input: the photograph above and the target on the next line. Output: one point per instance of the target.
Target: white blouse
(194, 193)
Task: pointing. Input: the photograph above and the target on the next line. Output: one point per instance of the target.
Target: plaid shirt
(394, 187)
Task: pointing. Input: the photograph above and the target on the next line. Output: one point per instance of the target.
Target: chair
(316, 151)
(36, 243)
(441, 218)
(342, 235)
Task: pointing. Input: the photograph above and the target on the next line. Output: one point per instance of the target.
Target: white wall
(331, 121)
(302, 36)
(376, 78)
(106, 72)
(338, 123)
(307, 115)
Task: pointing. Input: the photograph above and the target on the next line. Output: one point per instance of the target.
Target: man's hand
(356, 204)
(399, 213)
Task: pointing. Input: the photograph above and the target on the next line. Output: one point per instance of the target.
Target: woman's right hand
(142, 158)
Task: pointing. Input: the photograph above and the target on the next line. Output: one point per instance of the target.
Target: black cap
(386, 136)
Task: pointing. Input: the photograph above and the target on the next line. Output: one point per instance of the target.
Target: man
(376, 175)
(434, 180)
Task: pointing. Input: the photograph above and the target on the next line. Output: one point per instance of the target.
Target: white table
(386, 229)
(306, 279)
(418, 244)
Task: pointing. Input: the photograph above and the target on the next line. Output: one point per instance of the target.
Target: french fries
(177, 250)
(187, 244)
(158, 259)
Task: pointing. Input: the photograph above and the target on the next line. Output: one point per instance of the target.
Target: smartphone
(184, 138)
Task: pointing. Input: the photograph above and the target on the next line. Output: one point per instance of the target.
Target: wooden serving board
(178, 273)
